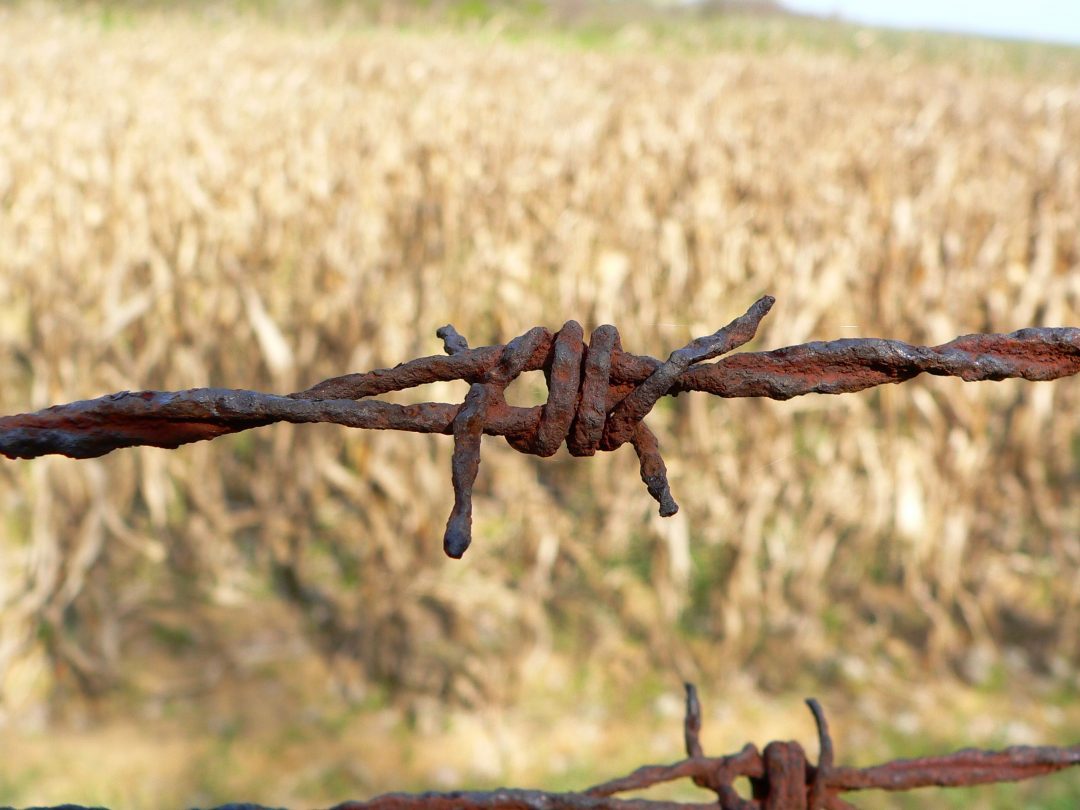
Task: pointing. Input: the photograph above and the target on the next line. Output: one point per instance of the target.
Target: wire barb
(779, 777)
(598, 395)
(692, 723)
(820, 780)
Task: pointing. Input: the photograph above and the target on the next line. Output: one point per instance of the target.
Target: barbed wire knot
(584, 408)
(598, 395)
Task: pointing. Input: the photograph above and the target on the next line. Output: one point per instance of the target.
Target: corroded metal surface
(779, 778)
(598, 395)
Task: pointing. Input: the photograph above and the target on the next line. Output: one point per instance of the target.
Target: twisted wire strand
(782, 778)
(598, 395)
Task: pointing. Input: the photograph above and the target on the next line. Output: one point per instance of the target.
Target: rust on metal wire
(598, 395)
(779, 777)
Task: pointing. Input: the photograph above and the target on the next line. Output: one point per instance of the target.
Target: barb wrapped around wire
(598, 395)
(780, 778)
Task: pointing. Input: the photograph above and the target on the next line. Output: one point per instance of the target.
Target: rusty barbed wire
(598, 395)
(779, 777)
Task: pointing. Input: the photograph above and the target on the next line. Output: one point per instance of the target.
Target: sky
(1047, 20)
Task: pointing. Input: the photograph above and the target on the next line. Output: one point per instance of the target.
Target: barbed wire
(598, 395)
(779, 777)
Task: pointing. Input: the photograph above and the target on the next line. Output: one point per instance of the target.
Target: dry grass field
(189, 202)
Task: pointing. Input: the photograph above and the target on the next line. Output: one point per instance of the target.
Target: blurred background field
(262, 196)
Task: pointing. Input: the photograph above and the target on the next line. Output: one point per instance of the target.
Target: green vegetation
(626, 26)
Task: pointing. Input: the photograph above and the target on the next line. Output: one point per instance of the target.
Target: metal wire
(598, 395)
(780, 778)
